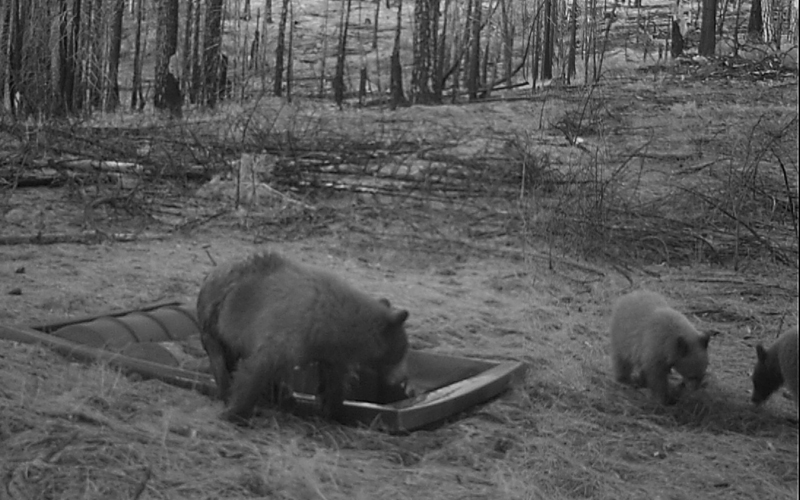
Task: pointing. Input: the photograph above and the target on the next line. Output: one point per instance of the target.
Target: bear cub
(775, 367)
(651, 338)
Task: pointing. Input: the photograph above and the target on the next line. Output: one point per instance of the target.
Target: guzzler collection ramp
(142, 341)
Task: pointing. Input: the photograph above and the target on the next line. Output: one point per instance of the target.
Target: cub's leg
(657, 378)
(331, 391)
(622, 369)
(219, 365)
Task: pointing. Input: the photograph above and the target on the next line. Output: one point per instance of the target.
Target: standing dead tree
(473, 65)
(115, 44)
(708, 28)
(280, 49)
(338, 79)
(211, 52)
(396, 79)
(426, 29)
(167, 93)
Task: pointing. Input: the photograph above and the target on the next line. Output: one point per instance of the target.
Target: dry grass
(72, 431)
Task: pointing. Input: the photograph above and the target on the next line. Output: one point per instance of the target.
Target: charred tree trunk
(186, 70)
(115, 44)
(375, 25)
(137, 100)
(676, 47)
(549, 42)
(197, 72)
(425, 41)
(5, 26)
(508, 39)
(211, 52)
(277, 87)
(755, 25)
(573, 40)
(441, 56)
(165, 95)
(536, 51)
(396, 71)
(708, 28)
(76, 87)
(290, 55)
(97, 20)
(474, 64)
(15, 54)
(338, 79)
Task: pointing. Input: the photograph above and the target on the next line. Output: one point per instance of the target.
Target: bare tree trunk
(396, 71)
(338, 79)
(441, 57)
(164, 96)
(508, 39)
(75, 85)
(589, 37)
(375, 25)
(323, 64)
(676, 47)
(211, 52)
(137, 100)
(186, 67)
(5, 28)
(289, 54)
(707, 28)
(549, 42)
(97, 20)
(474, 63)
(573, 40)
(115, 43)
(15, 55)
(197, 73)
(277, 86)
(755, 25)
(425, 40)
(536, 52)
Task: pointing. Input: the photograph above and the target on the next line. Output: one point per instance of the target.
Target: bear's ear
(385, 302)
(761, 353)
(681, 347)
(397, 318)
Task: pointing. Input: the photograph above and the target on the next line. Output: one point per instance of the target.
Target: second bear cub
(652, 338)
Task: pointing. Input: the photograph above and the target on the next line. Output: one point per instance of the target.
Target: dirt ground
(70, 430)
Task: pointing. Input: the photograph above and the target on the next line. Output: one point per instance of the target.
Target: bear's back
(296, 308)
(632, 319)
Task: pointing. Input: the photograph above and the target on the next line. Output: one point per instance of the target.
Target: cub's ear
(681, 347)
(761, 353)
(397, 318)
(385, 302)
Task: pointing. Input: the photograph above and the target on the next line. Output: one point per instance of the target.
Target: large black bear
(265, 315)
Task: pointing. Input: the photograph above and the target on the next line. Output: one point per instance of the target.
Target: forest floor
(491, 278)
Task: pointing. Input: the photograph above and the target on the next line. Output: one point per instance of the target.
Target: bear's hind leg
(256, 375)
(219, 366)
